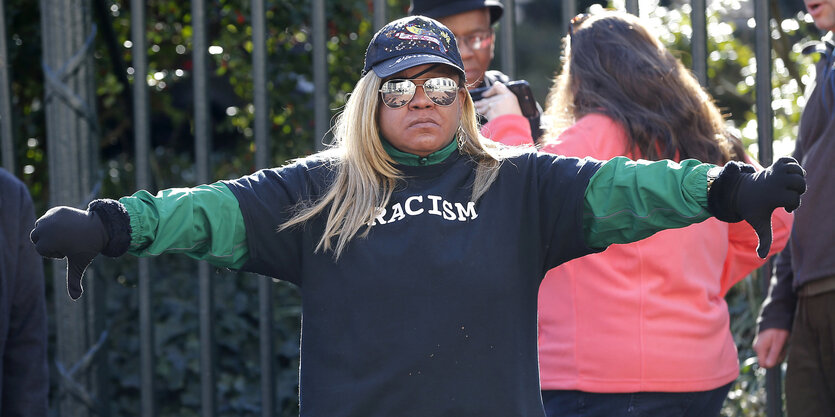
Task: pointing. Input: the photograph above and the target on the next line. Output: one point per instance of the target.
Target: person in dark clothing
(24, 377)
(800, 307)
(417, 243)
(472, 23)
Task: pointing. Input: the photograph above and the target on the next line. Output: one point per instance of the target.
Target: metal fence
(72, 131)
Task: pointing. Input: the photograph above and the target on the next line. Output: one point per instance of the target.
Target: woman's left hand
(741, 193)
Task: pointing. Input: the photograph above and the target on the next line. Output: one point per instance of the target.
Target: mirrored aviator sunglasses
(399, 92)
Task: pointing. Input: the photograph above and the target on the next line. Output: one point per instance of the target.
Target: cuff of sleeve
(137, 226)
(776, 320)
(117, 222)
(695, 184)
(723, 193)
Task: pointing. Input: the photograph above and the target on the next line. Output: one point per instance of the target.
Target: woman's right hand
(498, 101)
(78, 235)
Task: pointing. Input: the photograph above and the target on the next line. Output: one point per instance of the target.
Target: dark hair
(612, 65)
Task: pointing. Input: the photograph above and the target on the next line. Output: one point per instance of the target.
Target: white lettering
(414, 206)
(403, 58)
(448, 213)
(409, 202)
(435, 199)
(381, 212)
(468, 213)
(396, 213)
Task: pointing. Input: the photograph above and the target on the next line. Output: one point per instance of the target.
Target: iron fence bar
(72, 149)
(773, 376)
(202, 131)
(7, 145)
(202, 143)
(320, 75)
(262, 158)
(379, 14)
(569, 10)
(698, 42)
(146, 340)
(84, 80)
(141, 134)
(765, 137)
(506, 35)
(762, 52)
(265, 309)
(50, 115)
(632, 7)
(259, 80)
(207, 372)
(90, 178)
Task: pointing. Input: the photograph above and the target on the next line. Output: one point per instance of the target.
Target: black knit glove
(740, 193)
(80, 235)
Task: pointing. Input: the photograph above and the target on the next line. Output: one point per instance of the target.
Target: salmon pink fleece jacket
(650, 315)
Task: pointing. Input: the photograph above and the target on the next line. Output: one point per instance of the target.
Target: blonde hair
(365, 174)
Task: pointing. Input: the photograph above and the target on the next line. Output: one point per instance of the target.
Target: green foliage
(289, 74)
(28, 120)
(176, 344)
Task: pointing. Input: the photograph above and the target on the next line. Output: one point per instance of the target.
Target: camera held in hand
(521, 89)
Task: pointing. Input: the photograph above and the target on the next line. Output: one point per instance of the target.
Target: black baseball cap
(409, 42)
(437, 9)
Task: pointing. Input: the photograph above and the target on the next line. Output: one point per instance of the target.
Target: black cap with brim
(409, 42)
(394, 65)
(438, 9)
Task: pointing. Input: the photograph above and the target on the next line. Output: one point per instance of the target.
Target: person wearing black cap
(472, 23)
(418, 244)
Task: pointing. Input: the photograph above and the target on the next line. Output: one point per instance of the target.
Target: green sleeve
(203, 222)
(627, 201)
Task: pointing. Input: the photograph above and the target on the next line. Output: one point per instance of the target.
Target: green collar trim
(408, 159)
